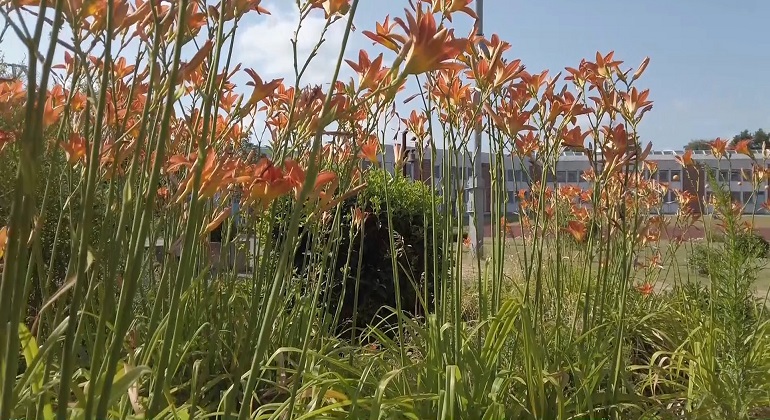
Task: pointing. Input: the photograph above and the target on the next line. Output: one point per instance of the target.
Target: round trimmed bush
(409, 204)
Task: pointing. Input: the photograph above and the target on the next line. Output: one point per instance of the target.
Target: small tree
(698, 145)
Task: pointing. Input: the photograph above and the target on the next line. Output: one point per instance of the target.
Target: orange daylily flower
(268, 184)
(188, 68)
(636, 100)
(241, 7)
(261, 90)
(254, 5)
(3, 240)
(645, 289)
(448, 7)
(462, 6)
(120, 69)
(217, 175)
(369, 149)
(495, 73)
(51, 112)
(577, 230)
(526, 145)
(332, 7)
(429, 48)
(416, 124)
(228, 100)
(605, 65)
(370, 73)
(385, 36)
(195, 19)
(224, 214)
(359, 217)
(718, 147)
(574, 138)
(686, 159)
(75, 149)
(742, 147)
(510, 119)
(298, 177)
(449, 89)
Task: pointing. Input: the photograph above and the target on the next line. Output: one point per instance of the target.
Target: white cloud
(266, 44)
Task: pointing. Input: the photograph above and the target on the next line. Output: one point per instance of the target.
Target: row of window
(518, 175)
(575, 176)
(743, 197)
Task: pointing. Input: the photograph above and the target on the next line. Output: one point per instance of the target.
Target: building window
(735, 175)
(519, 175)
(561, 176)
(676, 175)
(572, 176)
(437, 171)
(724, 175)
(511, 196)
(509, 175)
(736, 197)
(663, 175)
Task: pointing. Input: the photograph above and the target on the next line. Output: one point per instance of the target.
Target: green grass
(675, 269)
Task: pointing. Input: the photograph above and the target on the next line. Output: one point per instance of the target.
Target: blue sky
(709, 59)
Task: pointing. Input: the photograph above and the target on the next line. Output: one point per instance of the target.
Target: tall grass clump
(336, 289)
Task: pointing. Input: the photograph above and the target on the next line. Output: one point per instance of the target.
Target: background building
(736, 172)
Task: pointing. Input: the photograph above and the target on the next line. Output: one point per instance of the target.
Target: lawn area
(675, 265)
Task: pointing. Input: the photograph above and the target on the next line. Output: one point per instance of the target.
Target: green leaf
(31, 352)
(121, 385)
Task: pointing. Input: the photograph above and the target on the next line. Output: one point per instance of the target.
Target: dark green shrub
(751, 245)
(702, 256)
(55, 250)
(410, 203)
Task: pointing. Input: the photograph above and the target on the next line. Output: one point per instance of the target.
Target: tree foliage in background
(698, 145)
(758, 138)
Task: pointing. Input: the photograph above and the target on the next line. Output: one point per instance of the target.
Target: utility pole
(476, 215)
(402, 154)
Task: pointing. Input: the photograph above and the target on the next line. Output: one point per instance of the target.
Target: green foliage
(698, 145)
(407, 198)
(703, 256)
(59, 218)
(363, 283)
(751, 245)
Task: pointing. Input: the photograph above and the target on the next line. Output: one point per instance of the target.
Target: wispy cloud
(266, 44)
